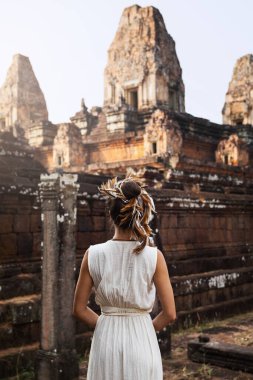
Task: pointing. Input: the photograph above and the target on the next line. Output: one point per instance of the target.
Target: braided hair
(130, 207)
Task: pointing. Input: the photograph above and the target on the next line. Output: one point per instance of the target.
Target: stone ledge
(216, 311)
(221, 354)
(201, 264)
(19, 310)
(218, 279)
(20, 285)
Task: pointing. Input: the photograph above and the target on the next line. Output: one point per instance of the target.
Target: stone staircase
(213, 287)
(20, 308)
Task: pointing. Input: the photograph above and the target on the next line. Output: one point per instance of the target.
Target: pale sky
(67, 42)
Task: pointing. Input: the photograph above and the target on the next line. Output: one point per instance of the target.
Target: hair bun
(131, 189)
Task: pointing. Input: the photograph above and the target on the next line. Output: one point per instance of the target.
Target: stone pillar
(57, 359)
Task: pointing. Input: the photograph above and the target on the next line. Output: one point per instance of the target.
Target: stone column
(57, 359)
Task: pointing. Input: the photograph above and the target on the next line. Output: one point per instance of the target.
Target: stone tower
(143, 70)
(21, 100)
(238, 107)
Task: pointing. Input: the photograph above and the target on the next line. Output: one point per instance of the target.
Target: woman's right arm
(165, 294)
(82, 294)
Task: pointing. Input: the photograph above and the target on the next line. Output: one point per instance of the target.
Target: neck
(120, 234)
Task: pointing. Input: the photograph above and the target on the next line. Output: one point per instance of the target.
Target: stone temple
(143, 119)
(199, 173)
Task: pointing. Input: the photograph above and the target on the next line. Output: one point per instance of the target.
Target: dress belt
(125, 311)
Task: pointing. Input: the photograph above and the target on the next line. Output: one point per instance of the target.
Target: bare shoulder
(161, 265)
(159, 254)
(160, 258)
(84, 269)
(84, 264)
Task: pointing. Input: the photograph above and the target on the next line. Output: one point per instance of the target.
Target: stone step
(213, 296)
(20, 310)
(189, 318)
(20, 285)
(205, 264)
(14, 267)
(221, 354)
(20, 320)
(202, 282)
(205, 186)
(204, 177)
(176, 252)
(13, 335)
(12, 360)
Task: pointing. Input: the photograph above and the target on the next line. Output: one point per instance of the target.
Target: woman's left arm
(82, 293)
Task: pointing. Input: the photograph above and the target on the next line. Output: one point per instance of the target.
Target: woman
(125, 272)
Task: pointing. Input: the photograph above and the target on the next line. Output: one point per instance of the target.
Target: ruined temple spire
(238, 107)
(21, 100)
(143, 68)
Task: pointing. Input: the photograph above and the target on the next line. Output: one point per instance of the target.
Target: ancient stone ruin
(238, 107)
(21, 100)
(199, 173)
(148, 62)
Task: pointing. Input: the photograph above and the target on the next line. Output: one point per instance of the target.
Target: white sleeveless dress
(124, 344)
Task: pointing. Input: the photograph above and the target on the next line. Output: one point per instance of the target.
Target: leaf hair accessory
(136, 210)
(113, 188)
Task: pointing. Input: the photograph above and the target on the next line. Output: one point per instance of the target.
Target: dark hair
(130, 207)
(130, 190)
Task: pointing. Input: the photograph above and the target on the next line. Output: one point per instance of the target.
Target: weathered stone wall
(45, 156)
(20, 252)
(42, 134)
(199, 149)
(205, 227)
(20, 219)
(20, 227)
